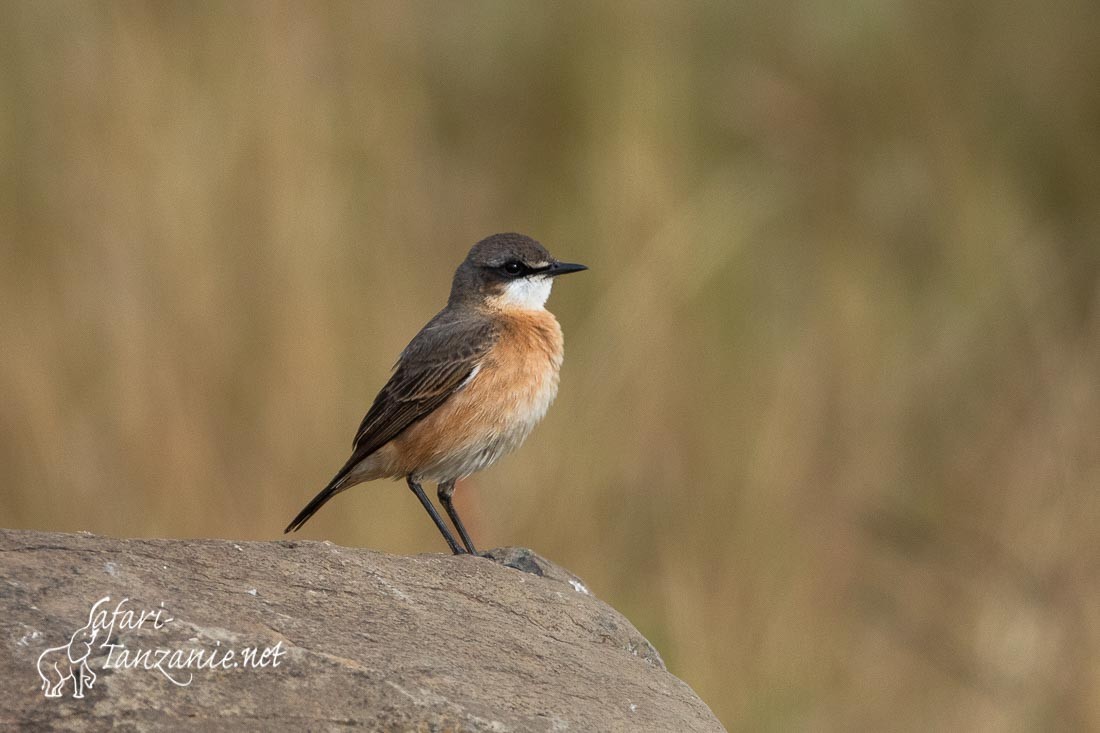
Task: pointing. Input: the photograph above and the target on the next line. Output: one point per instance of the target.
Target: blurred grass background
(829, 419)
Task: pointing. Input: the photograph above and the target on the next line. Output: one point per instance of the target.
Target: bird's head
(508, 271)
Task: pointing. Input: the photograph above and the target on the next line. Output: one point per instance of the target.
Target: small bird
(469, 388)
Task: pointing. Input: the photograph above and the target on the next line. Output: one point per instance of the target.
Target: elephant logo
(57, 665)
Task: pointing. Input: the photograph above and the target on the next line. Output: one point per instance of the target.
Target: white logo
(60, 664)
(57, 665)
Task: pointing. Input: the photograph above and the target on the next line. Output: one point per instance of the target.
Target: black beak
(564, 268)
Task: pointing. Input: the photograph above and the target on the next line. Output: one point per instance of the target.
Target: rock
(214, 634)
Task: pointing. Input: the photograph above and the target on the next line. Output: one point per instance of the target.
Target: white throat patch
(528, 293)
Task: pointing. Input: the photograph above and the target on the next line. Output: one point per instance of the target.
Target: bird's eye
(513, 267)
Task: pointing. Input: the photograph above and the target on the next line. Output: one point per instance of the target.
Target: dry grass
(829, 423)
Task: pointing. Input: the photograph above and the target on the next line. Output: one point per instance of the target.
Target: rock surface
(313, 636)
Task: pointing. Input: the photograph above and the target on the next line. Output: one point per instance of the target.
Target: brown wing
(435, 365)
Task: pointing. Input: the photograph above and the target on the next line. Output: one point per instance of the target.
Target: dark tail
(334, 487)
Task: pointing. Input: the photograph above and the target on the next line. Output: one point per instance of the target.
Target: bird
(469, 387)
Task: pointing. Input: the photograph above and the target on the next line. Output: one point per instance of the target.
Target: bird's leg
(446, 491)
(434, 515)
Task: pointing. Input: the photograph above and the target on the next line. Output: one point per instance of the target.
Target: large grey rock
(353, 638)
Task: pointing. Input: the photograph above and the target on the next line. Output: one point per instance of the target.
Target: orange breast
(492, 415)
